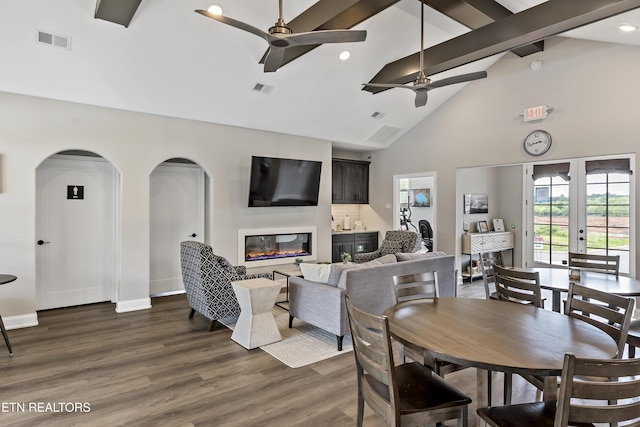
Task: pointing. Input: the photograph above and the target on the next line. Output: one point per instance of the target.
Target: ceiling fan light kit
(280, 36)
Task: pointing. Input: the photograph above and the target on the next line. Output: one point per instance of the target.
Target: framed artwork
(498, 224)
(476, 203)
(420, 198)
(483, 227)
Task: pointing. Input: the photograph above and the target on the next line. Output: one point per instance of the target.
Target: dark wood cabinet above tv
(350, 181)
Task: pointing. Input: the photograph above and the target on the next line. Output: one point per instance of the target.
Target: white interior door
(177, 214)
(75, 255)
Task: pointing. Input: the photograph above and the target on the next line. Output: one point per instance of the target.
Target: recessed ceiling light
(627, 27)
(216, 9)
(344, 55)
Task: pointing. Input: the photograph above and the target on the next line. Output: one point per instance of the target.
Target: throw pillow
(403, 256)
(391, 248)
(315, 272)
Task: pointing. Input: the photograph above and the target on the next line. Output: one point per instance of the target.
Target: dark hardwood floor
(159, 368)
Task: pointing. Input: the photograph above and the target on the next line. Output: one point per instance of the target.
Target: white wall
(592, 87)
(32, 129)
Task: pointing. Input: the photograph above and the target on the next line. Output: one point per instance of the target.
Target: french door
(580, 205)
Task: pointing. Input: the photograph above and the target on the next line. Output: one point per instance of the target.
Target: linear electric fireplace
(273, 246)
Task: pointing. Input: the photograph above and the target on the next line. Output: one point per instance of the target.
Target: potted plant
(346, 257)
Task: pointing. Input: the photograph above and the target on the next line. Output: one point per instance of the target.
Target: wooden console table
(479, 243)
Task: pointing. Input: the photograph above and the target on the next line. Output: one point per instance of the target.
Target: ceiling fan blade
(389, 85)
(274, 58)
(462, 78)
(327, 36)
(421, 97)
(237, 24)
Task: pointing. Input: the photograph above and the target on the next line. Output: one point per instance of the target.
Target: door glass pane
(607, 204)
(551, 220)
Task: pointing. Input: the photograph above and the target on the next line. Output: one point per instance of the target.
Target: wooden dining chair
(633, 337)
(406, 394)
(521, 287)
(608, 312)
(612, 396)
(609, 264)
(518, 286)
(420, 286)
(486, 261)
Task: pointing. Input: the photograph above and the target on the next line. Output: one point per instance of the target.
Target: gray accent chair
(394, 241)
(207, 281)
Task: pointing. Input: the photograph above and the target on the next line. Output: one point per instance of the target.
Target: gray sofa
(369, 287)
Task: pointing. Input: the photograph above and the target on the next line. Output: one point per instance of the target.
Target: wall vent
(263, 88)
(384, 134)
(57, 40)
(377, 115)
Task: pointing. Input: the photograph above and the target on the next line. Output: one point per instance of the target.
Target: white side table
(256, 325)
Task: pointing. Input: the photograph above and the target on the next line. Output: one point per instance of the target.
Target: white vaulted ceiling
(171, 61)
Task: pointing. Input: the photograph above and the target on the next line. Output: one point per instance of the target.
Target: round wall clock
(537, 142)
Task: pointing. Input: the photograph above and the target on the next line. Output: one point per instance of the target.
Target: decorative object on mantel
(498, 224)
(476, 203)
(346, 257)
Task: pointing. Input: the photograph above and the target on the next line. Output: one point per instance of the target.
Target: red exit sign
(539, 112)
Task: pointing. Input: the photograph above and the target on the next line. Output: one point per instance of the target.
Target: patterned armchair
(394, 241)
(207, 280)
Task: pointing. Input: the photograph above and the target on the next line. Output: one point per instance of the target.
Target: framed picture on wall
(420, 198)
(483, 227)
(476, 203)
(498, 224)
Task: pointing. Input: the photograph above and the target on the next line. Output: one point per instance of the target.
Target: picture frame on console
(483, 227)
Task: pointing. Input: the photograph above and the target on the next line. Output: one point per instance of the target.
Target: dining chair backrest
(415, 286)
(609, 264)
(611, 396)
(608, 312)
(487, 261)
(518, 286)
(409, 392)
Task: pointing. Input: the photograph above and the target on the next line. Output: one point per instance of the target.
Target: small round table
(256, 326)
(6, 278)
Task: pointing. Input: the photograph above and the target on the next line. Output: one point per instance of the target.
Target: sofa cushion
(316, 272)
(403, 256)
(336, 278)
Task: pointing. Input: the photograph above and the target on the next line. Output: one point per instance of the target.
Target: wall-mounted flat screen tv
(284, 182)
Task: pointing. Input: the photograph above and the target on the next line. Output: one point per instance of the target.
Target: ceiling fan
(280, 37)
(422, 84)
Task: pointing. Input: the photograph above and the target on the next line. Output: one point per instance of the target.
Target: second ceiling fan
(422, 84)
(280, 37)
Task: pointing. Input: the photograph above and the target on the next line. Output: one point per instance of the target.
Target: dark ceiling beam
(117, 11)
(331, 15)
(474, 14)
(537, 23)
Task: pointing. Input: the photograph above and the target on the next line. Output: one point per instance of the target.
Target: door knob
(41, 242)
(193, 235)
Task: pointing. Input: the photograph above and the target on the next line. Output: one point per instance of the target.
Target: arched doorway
(76, 219)
(177, 210)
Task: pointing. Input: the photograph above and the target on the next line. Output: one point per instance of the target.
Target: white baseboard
(133, 305)
(21, 321)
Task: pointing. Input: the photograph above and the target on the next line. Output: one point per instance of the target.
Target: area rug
(301, 345)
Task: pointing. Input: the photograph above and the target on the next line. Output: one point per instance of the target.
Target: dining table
(495, 335)
(557, 281)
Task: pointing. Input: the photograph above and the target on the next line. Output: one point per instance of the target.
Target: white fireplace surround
(243, 232)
